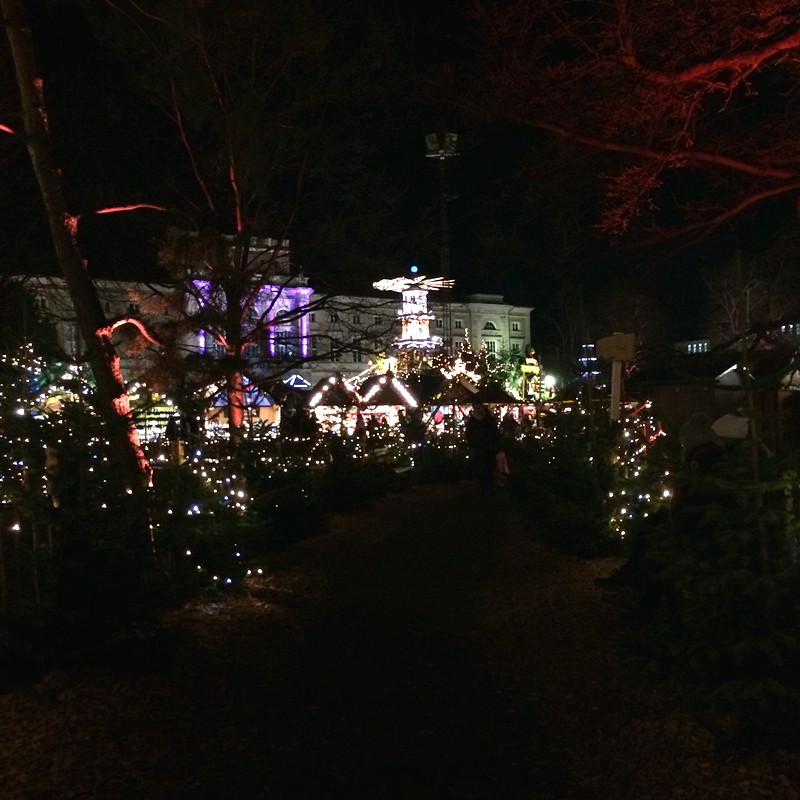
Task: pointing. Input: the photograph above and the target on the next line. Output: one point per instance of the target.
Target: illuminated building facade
(294, 330)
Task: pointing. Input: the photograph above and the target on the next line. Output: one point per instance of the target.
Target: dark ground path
(396, 696)
(425, 648)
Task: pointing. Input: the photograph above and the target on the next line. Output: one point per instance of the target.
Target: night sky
(522, 210)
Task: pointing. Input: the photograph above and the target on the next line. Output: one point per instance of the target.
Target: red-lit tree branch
(131, 207)
(681, 156)
(668, 84)
(132, 466)
(716, 219)
(739, 64)
(138, 324)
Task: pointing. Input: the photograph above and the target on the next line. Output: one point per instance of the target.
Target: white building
(302, 332)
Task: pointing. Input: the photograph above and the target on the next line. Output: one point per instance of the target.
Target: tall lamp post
(443, 146)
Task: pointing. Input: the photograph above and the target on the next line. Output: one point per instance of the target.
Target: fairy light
(223, 489)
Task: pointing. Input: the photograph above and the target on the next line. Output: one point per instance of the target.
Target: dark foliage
(561, 483)
(727, 625)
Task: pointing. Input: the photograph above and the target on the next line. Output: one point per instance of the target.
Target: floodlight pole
(442, 146)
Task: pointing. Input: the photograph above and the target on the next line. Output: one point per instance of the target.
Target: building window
(490, 345)
(515, 348)
(458, 324)
(698, 347)
(356, 319)
(334, 316)
(358, 355)
(438, 323)
(213, 348)
(489, 326)
(71, 339)
(107, 307)
(133, 308)
(515, 327)
(284, 344)
(257, 353)
(312, 317)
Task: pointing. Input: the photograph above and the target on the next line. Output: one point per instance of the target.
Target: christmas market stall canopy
(425, 385)
(492, 394)
(333, 392)
(334, 402)
(458, 391)
(292, 393)
(386, 390)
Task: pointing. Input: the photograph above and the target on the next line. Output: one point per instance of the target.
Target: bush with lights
(562, 480)
(720, 605)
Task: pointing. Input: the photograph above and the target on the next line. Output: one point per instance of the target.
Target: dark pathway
(425, 649)
(361, 667)
(391, 695)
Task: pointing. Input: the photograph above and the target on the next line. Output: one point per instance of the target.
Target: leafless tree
(258, 95)
(97, 331)
(695, 104)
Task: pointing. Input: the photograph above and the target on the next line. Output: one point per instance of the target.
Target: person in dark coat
(483, 439)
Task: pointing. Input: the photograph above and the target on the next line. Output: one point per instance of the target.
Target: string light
(37, 395)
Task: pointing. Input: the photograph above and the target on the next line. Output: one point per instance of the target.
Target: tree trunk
(234, 378)
(132, 465)
(234, 386)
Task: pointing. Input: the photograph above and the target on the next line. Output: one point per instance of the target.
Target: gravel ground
(425, 648)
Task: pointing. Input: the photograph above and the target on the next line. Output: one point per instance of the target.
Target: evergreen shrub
(561, 482)
(728, 628)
